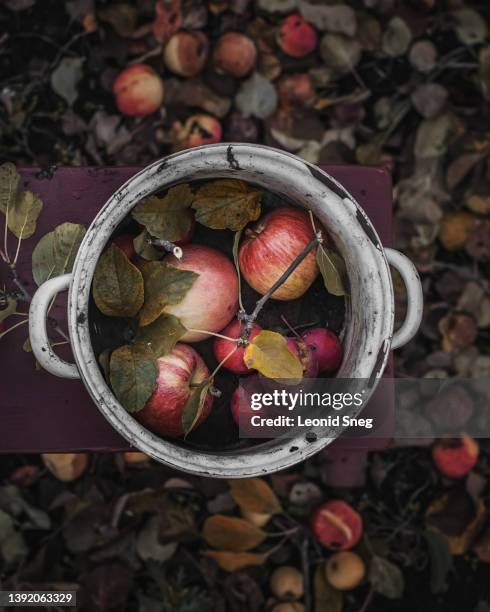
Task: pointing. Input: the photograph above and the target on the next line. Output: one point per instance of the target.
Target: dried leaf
(123, 17)
(194, 406)
(396, 38)
(429, 99)
(433, 136)
(104, 361)
(144, 249)
(164, 285)
(277, 6)
(256, 97)
(332, 269)
(227, 204)
(162, 334)
(9, 183)
(441, 561)
(232, 533)
(268, 353)
(22, 212)
(148, 546)
(340, 53)
(168, 217)
(459, 168)
(118, 284)
(234, 561)
(56, 251)
(386, 578)
(423, 56)
(254, 495)
(326, 597)
(470, 26)
(168, 19)
(133, 374)
(13, 549)
(66, 76)
(331, 18)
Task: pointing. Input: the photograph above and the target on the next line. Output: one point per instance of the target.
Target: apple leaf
(21, 212)
(226, 204)
(332, 269)
(386, 578)
(254, 495)
(164, 285)
(133, 373)
(144, 249)
(117, 287)
(162, 334)
(268, 353)
(233, 561)
(9, 183)
(326, 597)
(194, 406)
(55, 252)
(168, 217)
(232, 533)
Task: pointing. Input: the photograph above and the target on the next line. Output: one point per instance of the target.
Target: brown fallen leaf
(232, 533)
(254, 495)
(233, 561)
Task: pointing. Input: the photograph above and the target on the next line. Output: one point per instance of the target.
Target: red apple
(455, 457)
(186, 53)
(337, 525)
(235, 54)
(327, 346)
(241, 400)
(197, 130)
(223, 347)
(306, 354)
(297, 37)
(271, 246)
(126, 244)
(139, 90)
(212, 301)
(178, 373)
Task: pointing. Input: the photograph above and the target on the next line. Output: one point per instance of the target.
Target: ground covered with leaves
(405, 84)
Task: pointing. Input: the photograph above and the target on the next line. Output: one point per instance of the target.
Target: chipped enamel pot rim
(370, 310)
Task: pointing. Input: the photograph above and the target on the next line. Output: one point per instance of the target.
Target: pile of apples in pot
(179, 293)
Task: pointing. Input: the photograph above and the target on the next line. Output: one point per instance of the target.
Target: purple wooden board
(41, 413)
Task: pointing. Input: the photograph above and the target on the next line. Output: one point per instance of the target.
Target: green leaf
(9, 183)
(168, 217)
(144, 249)
(386, 578)
(441, 560)
(133, 374)
(164, 285)
(66, 76)
(194, 406)
(55, 253)
(433, 136)
(22, 213)
(332, 269)
(257, 96)
(339, 52)
(118, 284)
(13, 548)
(268, 353)
(470, 26)
(162, 334)
(396, 38)
(227, 204)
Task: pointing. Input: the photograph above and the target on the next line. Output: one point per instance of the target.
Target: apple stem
(290, 327)
(218, 367)
(250, 319)
(167, 245)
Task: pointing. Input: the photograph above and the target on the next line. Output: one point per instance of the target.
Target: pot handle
(415, 298)
(38, 334)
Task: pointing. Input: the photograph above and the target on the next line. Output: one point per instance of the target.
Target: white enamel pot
(369, 310)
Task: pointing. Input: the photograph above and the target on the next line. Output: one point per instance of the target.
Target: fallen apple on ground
(337, 525)
(179, 372)
(455, 457)
(139, 90)
(212, 301)
(271, 245)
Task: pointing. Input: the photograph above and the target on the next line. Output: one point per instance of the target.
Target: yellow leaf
(233, 561)
(232, 533)
(268, 353)
(254, 495)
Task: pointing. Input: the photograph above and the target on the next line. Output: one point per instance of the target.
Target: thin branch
(305, 564)
(222, 362)
(210, 333)
(23, 322)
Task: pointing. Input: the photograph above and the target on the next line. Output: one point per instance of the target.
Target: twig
(167, 245)
(204, 331)
(260, 303)
(305, 564)
(23, 322)
(367, 601)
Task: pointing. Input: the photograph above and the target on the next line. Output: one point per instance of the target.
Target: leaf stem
(204, 331)
(284, 276)
(23, 322)
(223, 361)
